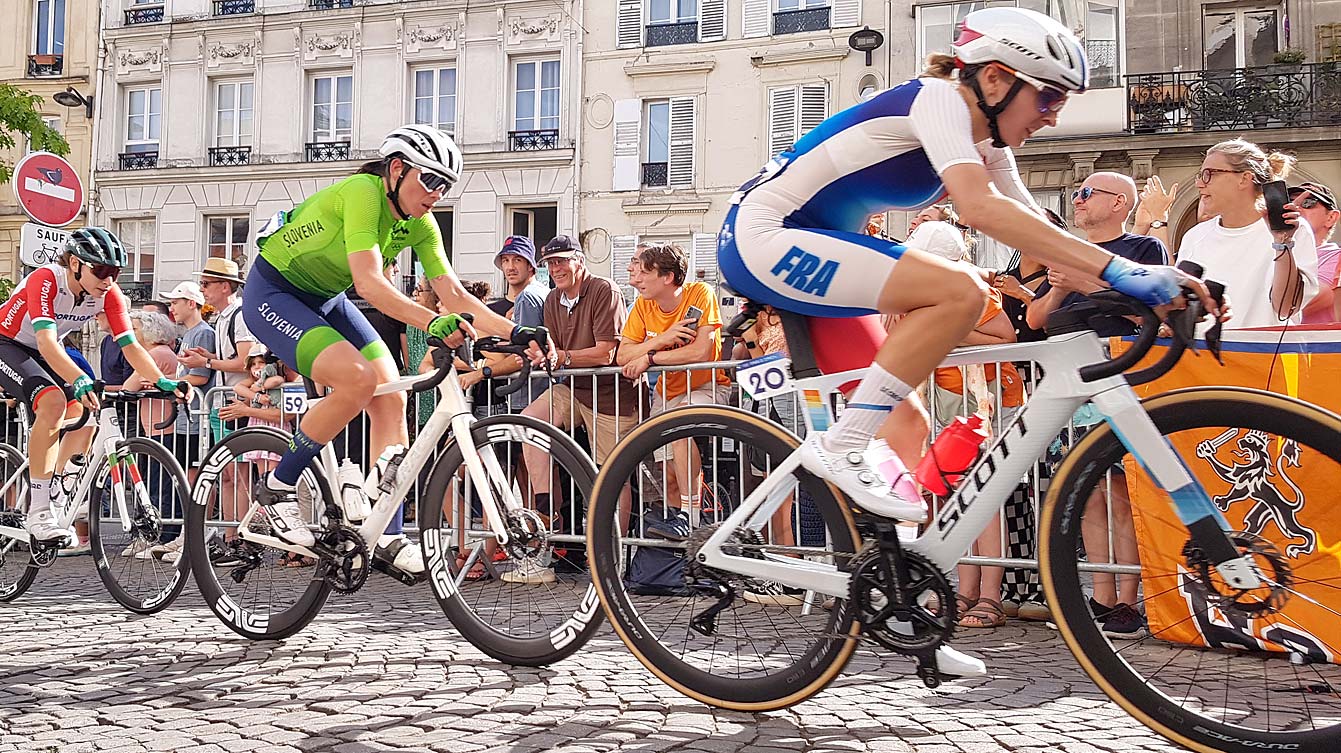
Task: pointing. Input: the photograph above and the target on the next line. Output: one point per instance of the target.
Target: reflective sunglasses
(431, 181)
(1086, 192)
(1311, 201)
(1050, 98)
(102, 271)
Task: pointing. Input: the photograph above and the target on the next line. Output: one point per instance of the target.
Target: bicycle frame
(989, 483)
(451, 414)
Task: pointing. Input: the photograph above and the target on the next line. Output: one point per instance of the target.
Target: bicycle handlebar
(130, 396)
(521, 378)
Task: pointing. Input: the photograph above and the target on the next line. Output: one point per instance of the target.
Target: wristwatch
(567, 358)
(1157, 224)
(650, 355)
(488, 372)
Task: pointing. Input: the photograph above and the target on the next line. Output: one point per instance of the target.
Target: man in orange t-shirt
(674, 323)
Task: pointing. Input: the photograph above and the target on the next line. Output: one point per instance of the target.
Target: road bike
(135, 491)
(860, 582)
(477, 535)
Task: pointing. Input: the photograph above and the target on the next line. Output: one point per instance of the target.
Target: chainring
(919, 628)
(43, 554)
(349, 571)
(1255, 601)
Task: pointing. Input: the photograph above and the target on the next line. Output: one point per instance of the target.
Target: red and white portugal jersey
(43, 300)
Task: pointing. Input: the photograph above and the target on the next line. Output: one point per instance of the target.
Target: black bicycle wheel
(530, 601)
(1209, 667)
(766, 649)
(17, 570)
(257, 591)
(131, 506)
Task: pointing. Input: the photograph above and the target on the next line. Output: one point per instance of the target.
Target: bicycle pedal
(927, 669)
(386, 568)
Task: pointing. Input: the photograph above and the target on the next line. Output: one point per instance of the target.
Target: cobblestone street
(383, 670)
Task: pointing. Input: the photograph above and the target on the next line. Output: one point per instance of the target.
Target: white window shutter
(704, 258)
(682, 128)
(712, 20)
(814, 107)
(781, 120)
(629, 26)
(622, 249)
(628, 124)
(845, 13)
(756, 17)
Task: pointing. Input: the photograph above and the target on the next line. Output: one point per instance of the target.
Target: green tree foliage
(19, 115)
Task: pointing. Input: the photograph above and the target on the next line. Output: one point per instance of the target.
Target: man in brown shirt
(584, 315)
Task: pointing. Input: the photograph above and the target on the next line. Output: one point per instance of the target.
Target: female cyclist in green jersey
(295, 304)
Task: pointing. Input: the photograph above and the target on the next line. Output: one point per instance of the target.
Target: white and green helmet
(97, 245)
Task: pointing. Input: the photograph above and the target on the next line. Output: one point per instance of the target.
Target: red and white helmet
(1026, 41)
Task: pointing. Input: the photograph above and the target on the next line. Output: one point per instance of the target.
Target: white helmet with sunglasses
(1037, 49)
(433, 152)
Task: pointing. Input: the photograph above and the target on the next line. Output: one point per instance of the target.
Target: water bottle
(382, 477)
(952, 454)
(353, 501)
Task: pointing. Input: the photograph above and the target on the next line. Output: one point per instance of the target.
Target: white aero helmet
(426, 148)
(1026, 41)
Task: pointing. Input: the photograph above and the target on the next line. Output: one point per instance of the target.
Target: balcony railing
(533, 141)
(234, 7)
(327, 151)
(795, 21)
(1103, 59)
(226, 156)
(664, 35)
(139, 160)
(329, 4)
(150, 15)
(656, 174)
(1273, 96)
(40, 66)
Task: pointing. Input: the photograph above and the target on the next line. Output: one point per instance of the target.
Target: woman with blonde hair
(1270, 276)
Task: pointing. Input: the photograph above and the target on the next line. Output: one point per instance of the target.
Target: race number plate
(295, 399)
(767, 376)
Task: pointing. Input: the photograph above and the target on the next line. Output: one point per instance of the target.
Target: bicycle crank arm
(705, 622)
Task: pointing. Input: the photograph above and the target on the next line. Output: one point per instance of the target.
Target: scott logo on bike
(806, 272)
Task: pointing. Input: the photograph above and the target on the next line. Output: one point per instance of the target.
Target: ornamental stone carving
(238, 54)
(336, 45)
(140, 61)
(521, 30)
(433, 36)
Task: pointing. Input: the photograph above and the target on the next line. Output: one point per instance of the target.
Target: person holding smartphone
(674, 322)
(1254, 242)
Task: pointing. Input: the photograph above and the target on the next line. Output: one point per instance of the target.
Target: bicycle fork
(1207, 526)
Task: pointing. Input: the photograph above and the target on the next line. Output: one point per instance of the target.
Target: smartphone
(1277, 195)
(694, 314)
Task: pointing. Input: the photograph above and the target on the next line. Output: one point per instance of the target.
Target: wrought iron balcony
(327, 151)
(40, 66)
(138, 291)
(139, 160)
(795, 21)
(533, 141)
(664, 35)
(234, 7)
(656, 174)
(149, 15)
(1272, 96)
(329, 4)
(1103, 58)
(225, 156)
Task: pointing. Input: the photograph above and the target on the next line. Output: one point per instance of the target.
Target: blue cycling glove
(1153, 286)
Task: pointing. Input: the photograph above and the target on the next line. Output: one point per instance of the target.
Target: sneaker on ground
(42, 525)
(227, 555)
(950, 661)
(170, 549)
(861, 474)
(530, 571)
(1100, 611)
(398, 551)
(136, 546)
(286, 518)
(76, 550)
(1034, 611)
(1125, 622)
(674, 527)
(774, 595)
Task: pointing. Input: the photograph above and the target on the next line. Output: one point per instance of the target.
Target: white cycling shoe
(42, 525)
(950, 661)
(874, 478)
(400, 553)
(286, 517)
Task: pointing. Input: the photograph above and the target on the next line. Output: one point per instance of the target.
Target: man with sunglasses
(53, 301)
(1317, 205)
(295, 303)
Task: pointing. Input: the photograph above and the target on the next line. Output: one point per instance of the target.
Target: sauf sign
(40, 245)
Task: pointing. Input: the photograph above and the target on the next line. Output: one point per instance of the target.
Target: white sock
(873, 400)
(276, 485)
(693, 508)
(39, 495)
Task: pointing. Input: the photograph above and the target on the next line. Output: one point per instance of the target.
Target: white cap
(188, 290)
(939, 238)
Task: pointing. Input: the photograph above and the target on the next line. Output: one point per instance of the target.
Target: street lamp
(72, 98)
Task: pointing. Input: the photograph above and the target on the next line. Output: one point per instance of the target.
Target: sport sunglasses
(1086, 192)
(1050, 98)
(431, 181)
(102, 271)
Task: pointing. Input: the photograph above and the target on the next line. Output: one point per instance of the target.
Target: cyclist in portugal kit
(295, 304)
(53, 301)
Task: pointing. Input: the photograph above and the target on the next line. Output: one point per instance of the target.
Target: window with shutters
(435, 98)
(793, 16)
(622, 250)
(536, 106)
(792, 112)
(703, 259)
(656, 165)
(671, 22)
(659, 23)
(680, 150)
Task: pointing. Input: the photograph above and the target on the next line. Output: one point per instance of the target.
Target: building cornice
(792, 57)
(634, 68)
(666, 205)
